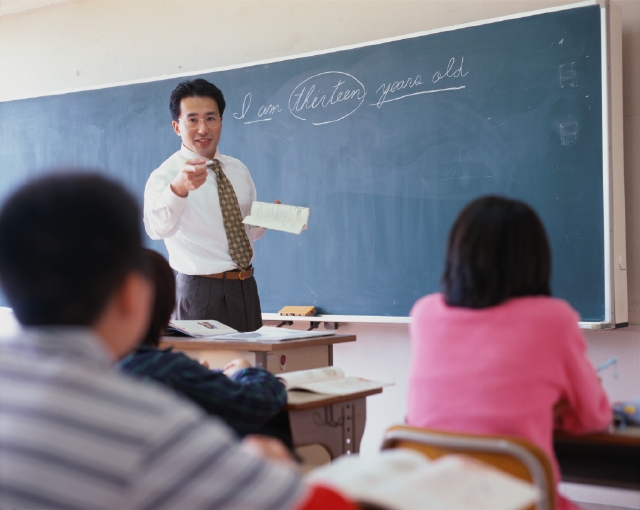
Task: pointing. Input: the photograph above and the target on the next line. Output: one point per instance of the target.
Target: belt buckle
(241, 275)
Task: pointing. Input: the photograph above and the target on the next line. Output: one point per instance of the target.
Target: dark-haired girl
(494, 353)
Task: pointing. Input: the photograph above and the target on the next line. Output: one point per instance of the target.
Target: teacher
(196, 201)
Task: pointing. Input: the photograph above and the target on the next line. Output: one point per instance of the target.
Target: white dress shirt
(192, 227)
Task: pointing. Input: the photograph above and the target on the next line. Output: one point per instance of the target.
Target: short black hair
(497, 249)
(67, 242)
(195, 88)
(163, 278)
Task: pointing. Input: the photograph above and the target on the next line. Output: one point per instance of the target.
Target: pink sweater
(500, 370)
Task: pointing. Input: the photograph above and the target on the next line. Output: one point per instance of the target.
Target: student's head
(163, 277)
(196, 108)
(71, 255)
(497, 249)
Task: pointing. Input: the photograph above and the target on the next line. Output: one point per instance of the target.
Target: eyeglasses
(211, 121)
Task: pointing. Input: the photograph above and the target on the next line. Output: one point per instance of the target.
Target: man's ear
(126, 316)
(176, 127)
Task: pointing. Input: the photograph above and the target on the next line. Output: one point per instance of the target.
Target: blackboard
(385, 142)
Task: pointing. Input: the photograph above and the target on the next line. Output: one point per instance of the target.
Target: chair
(515, 456)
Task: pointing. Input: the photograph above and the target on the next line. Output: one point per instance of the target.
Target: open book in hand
(404, 479)
(200, 328)
(287, 218)
(328, 381)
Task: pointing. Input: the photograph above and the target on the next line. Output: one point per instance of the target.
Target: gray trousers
(233, 302)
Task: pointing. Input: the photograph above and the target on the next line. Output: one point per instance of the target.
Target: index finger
(195, 161)
(197, 169)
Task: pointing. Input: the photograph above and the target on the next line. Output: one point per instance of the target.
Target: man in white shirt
(182, 206)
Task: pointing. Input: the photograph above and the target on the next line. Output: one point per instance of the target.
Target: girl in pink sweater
(495, 354)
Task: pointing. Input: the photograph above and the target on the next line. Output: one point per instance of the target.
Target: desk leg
(338, 427)
(261, 360)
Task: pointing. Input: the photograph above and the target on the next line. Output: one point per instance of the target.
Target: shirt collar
(78, 343)
(189, 154)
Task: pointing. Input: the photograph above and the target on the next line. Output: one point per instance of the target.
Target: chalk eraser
(300, 311)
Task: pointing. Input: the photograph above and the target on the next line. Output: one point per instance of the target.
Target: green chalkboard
(385, 143)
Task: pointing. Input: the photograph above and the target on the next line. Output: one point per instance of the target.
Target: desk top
(605, 458)
(629, 436)
(184, 343)
(301, 400)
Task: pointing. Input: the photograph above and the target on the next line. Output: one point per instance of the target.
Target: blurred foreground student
(73, 432)
(246, 398)
(494, 353)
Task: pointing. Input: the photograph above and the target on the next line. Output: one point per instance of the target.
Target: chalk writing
(450, 73)
(246, 103)
(262, 111)
(380, 101)
(268, 110)
(334, 95)
(326, 97)
(384, 89)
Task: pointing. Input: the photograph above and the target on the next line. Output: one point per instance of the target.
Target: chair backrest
(515, 456)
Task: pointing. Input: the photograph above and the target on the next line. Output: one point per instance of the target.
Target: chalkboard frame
(613, 188)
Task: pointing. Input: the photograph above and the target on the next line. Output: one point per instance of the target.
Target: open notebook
(403, 479)
(327, 381)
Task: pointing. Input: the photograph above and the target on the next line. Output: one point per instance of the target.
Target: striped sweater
(74, 434)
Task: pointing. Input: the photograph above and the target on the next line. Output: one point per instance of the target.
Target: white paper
(201, 328)
(301, 377)
(403, 479)
(273, 334)
(287, 218)
(328, 381)
(343, 386)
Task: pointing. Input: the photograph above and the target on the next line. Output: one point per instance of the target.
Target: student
(244, 397)
(76, 434)
(494, 353)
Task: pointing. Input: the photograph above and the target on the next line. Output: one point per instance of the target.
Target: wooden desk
(276, 357)
(607, 458)
(335, 422)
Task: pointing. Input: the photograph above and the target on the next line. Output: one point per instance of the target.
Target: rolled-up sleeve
(162, 207)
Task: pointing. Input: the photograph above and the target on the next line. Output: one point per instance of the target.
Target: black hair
(67, 242)
(497, 249)
(164, 279)
(195, 88)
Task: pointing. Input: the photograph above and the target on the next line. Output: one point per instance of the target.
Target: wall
(91, 43)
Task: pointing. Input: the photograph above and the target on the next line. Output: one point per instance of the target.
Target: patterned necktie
(239, 245)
